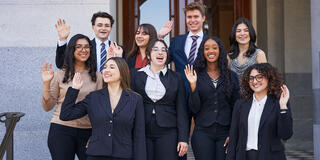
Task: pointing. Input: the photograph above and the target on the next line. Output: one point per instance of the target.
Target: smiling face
(211, 51)
(194, 20)
(158, 54)
(102, 28)
(111, 72)
(242, 34)
(258, 82)
(142, 38)
(82, 50)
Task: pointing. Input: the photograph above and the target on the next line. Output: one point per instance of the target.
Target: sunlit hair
(149, 30)
(69, 59)
(234, 46)
(275, 80)
(151, 45)
(225, 73)
(124, 72)
(195, 6)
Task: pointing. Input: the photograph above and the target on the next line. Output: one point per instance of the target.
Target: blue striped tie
(193, 49)
(103, 56)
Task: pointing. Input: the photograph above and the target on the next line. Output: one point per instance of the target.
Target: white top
(254, 122)
(154, 87)
(189, 41)
(98, 51)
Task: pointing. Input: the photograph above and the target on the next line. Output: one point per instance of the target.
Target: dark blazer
(132, 61)
(171, 109)
(211, 105)
(121, 134)
(274, 127)
(60, 52)
(178, 56)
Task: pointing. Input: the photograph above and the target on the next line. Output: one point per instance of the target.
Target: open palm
(190, 74)
(46, 72)
(63, 29)
(165, 30)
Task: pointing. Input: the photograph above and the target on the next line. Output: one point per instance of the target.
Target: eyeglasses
(80, 48)
(157, 50)
(258, 78)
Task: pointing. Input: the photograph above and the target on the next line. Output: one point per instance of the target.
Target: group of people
(117, 105)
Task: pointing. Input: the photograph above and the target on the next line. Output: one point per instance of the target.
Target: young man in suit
(184, 48)
(101, 25)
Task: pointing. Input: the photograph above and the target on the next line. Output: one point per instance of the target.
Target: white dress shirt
(189, 41)
(154, 87)
(98, 51)
(254, 122)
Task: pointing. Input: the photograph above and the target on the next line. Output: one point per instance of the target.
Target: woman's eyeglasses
(80, 48)
(258, 78)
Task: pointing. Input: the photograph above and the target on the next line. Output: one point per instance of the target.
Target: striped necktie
(103, 55)
(193, 49)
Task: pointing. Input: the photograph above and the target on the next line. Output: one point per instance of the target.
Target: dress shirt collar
(98, 42)
(147, 70)
(262, 101)
(200, 34)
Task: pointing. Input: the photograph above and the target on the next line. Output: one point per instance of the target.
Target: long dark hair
(151, 45)
(234, 46)
(148, 29)
(69, 60)
(275, 80)
(124, 72)
(225, 73)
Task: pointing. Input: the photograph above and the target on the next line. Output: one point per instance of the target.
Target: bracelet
(283, 110)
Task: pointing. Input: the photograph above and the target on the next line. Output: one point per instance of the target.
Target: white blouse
(254, 122)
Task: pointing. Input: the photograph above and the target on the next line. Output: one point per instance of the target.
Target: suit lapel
(247, 107)
(141, 84)
(268, 107)
(105, 101)
(122, 102)
(181, 52)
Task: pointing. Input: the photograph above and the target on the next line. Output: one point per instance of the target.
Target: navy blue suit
(212, 110)
(274, 127)
(170, 116)
(179, 57)
(120, 134)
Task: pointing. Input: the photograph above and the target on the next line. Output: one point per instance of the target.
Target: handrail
(10, 122)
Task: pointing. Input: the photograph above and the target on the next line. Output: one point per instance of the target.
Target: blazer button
(215, 102)
(109, 134)
(215, 110)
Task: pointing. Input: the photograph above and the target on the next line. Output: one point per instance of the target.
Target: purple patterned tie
(193, 49)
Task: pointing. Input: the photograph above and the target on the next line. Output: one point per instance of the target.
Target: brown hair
(124, 72)
(275, 80)
(148, 29)
(151, 45)
(195, 6)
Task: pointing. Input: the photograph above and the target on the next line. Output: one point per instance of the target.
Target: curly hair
(69, 60)
(225, 73)
(275, 80)
(234, 46)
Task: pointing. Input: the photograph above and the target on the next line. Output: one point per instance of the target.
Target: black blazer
(178, 56)
(60, 53)
(132, 61)
(171, 109)
(274, 127)
(209, 104)
(121, 134)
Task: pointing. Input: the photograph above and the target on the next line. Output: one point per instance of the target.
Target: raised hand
(46, 72)
(116, 49)
(77, 81)
(284, 97)
(63, 29)
(190, 74)
(165, 30)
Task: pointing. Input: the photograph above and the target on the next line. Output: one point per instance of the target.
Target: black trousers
(252, 155)
(64, 142)
(207, 142)
(161, 142)
(105, 158)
